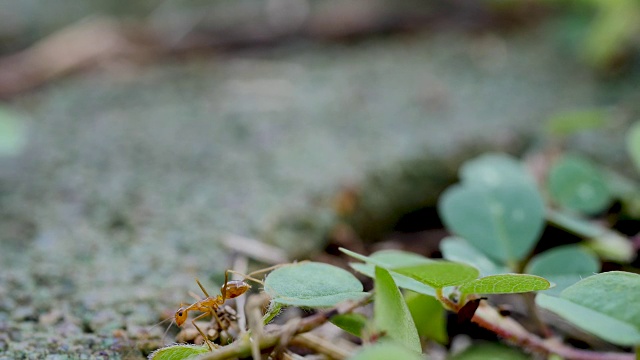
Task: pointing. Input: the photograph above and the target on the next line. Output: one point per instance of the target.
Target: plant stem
(507, 328)
(242, 347)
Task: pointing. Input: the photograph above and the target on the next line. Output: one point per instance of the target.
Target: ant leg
(210, 345)
(246, 276)
(202, 288)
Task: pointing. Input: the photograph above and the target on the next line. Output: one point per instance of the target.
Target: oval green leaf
(384, 351)
(429, 316)
(439, 274)
(352, 323)
(605, 305)
(564, 266)
(575, 183)
(569, 122)
(504, 284)
(389, 259)
(633, 144)
(178, 352)
(459, 250)
(13, 132)
(494, 170)
(503, 222)
(391, 313)
(312, 284)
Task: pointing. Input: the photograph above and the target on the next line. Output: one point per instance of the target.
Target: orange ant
(209, 305)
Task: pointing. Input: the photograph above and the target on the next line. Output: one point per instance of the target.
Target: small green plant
(496, 214)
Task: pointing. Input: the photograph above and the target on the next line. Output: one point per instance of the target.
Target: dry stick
(507, 328)
(324, 346)
(242, 347)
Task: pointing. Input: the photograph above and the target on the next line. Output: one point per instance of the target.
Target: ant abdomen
(234, 288)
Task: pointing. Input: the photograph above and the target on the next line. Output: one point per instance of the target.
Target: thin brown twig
(242, 347)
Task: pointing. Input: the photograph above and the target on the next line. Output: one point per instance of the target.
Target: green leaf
(578, 185)
(13, 132)
(504, 222)
(569, 122)
(391, 313)
(178, 352)
(439, 274)
(389, 259)
(494, 170)
(352, 323)
(633, 144)
(489, 351)
(311, 284)
(459, 250)
(564, 266)
(605, 305)
(428, 315)
(504, 284)
(575, 224)
(385, 350)
(606, 243)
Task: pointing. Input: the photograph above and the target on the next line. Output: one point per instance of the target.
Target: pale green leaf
(612, 246)
(439, 274)
(575, 224)
(494, 170)
(391, 313)
(459, 250)
(428, 315)
(389, 259)
(311, 284)
(504, 284)
(13, 132)
(178, 352)
(576, 184)
(633, 144)
(605, 305)
(385, 350)
(569, 122)
(503, 222)
(564, 266)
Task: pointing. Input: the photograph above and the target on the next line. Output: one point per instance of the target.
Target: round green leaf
(391, 313)
(178, 352)
(494, 170)
(384, 351)
(389, 259)
(504, 284)
(633, 144)
(311, 284)
(605, 305)
(439, 274)
(503, 222)
(564, 266)
(578, 185)
(13, 132)
(459, 250)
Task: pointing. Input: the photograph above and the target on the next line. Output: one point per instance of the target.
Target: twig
(242, 347)
(507, 328)
(323, 346)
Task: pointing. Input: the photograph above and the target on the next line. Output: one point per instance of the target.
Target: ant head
(181, 316)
